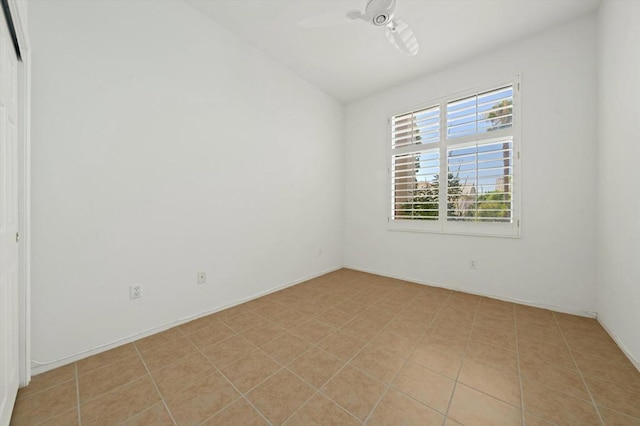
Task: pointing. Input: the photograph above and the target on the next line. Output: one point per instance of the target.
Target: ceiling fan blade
(402, 37)
(324, 20)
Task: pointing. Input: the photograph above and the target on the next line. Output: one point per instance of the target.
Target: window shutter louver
(453, 165)
(414, 182)
(418, 127)
(480, 113)
(481, 182)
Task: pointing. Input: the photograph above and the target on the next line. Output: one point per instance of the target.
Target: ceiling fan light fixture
(380, 19)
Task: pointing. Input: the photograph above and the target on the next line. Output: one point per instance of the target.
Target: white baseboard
(50, 365)
(621, 345)
(562, 309)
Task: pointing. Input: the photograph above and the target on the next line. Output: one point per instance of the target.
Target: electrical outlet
(472, 264)
(202, 277)
(135, 291)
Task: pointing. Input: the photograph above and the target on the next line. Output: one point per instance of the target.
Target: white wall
(553, 264)
(164, 145)
(618, 173)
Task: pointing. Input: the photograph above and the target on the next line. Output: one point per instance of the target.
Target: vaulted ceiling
(355, 59)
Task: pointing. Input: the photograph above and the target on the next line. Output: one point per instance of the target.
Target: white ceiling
(353, 60)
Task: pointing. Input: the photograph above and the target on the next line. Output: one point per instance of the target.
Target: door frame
(17, 10)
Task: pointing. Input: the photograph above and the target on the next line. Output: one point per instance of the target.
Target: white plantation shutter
(482, 112)
(454, 165)
(482, 185)
(414, 185)
(417, 127)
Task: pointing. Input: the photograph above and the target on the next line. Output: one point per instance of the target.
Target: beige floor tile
(614, 418)
(434, 359)
(381, 364)
(559, 379)
(156, 416)
(617, 396)
(361, 329)
(490, 321)
(313, 308)
(548, 334)
(214, 333)
(249, 371)
(232, 312)
(45, 404)
(334, 318)
(227, 351)
(120, 404)
(426, 386)
(494, 336)
(456, 343)
(180, 375)
(407, 329)
(286, 348)
(243, 321)
(504, 315)
(608, 352)
(558, 407)
(158, 338)
(102, 380)
(202, 400)
(494, 356)
(280, 396)
(238, 413)
(499, 383)
(270, 310)
(312, 331)
(366, 298)
(290, 319)
(624, 373)
(320, 411)
(49, 379)
(316, 366)
(167, 353)
(354, 391)
(533, 420)
(552, 354)
(342, 345)
(350, 307)
(263, 334)
(197, 324)
(68, 418)
(376, 316)
(471, 407)
(398, 409)
(102, 359)
(391, 342)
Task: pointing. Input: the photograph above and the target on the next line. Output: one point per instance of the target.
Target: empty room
(319, 212)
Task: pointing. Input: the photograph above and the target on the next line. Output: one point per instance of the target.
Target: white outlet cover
(135, 291)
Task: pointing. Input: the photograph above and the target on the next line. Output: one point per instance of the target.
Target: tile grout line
(375, 406)
(347, 362)
(242, 395)
(166, 407)
(464, 355)
(388, 386)
(315, 345)
(515, 323)
(584, 382)
(75, 365)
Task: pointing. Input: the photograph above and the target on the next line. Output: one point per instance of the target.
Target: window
(454, 164)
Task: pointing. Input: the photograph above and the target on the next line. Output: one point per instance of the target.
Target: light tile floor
(351, 348)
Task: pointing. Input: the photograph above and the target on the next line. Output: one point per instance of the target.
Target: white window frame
(442, 225)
